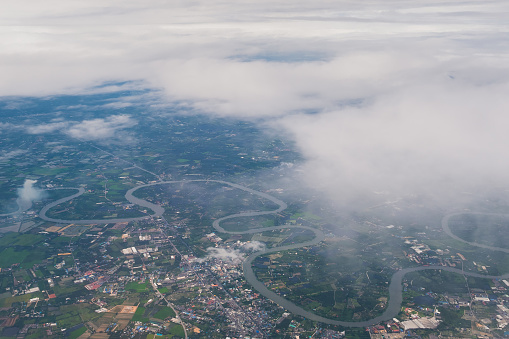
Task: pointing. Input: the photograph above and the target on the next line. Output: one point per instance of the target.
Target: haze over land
(384, 99)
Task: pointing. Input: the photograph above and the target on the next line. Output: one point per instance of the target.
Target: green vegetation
(177, 330)
(36, 334)
(7, 302)
(452, 319)
(49, 171)
(10, 256)
(25, 257)
(333, 283)
(446, 282)
(139, 315)
(17, 239)
(245, 223)
(68, 319)
(483, 229)
(164, 290)
(159, 336)
(137, 287)
(76, 333)
(164, 313)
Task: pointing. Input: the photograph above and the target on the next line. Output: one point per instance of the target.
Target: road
(169, 304)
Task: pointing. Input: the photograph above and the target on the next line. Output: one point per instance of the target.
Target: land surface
(199, 227)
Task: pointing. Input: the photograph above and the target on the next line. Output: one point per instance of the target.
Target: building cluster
(422, 254)
(402, 329)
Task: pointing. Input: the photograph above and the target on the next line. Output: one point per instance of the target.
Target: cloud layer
(438, 139)
(397, 98)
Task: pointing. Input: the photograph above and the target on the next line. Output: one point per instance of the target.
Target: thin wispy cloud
(7, 155)
(47, 128)
(108, 128)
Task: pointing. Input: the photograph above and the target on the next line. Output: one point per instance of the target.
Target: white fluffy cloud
(28, 193)
(225, 254)
(100, 129)
(234, 255)
(254, 246)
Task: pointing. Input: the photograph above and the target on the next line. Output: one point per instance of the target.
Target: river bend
(395, 287)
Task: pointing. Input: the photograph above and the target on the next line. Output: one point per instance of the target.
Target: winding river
(395, 287)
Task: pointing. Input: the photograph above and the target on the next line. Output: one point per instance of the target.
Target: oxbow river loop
(395, 286)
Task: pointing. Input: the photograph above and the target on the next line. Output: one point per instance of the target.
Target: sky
(383, 98)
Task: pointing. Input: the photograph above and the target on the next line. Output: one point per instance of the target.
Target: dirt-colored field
(8, 322)
(123, 309)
